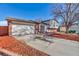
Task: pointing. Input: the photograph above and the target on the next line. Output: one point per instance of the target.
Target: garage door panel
(22, 29)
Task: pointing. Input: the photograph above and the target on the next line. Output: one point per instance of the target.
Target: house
(23, 27)
(53, 25)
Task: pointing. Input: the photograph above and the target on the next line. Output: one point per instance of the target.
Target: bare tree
(69, 13)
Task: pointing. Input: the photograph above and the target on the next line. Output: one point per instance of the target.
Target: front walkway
(59, 47)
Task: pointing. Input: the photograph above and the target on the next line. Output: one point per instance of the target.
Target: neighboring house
(23, 27)
(53, 25)
(63, 28)
(75, 27)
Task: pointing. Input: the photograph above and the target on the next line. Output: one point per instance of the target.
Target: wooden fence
(3, 30)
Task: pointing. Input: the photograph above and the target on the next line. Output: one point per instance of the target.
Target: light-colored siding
(53, 24)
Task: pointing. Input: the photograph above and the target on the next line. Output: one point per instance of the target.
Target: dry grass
(11, 44)
(66, 36)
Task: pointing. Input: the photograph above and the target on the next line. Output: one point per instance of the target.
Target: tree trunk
(67, 28)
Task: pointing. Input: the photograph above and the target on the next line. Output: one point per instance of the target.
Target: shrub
(72, 31)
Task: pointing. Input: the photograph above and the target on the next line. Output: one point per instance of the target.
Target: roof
(50, 19)
(22, 20)
(15, 47)
(18, 20)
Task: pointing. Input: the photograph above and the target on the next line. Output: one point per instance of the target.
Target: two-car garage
(20, 27)
(12, 26)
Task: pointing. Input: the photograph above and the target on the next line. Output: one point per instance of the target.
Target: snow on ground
(59, 47)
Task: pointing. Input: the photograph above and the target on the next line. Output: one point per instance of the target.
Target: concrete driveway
(59, 47)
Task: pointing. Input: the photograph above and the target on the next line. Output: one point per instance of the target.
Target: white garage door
(22, 29)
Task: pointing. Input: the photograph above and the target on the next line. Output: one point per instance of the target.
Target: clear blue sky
(28, 11)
